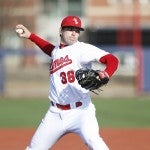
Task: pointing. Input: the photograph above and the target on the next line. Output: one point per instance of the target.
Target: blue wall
(146, 69)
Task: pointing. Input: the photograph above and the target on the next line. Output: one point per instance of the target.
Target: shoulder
(82, 43)
(89, 47)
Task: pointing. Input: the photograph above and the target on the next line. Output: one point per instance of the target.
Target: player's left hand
(91, 79)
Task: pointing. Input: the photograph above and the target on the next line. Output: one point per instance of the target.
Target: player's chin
(71, 42)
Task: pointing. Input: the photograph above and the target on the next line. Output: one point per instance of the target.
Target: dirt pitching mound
(116, 139)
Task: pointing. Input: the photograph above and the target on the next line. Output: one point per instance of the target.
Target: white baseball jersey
(64, 88)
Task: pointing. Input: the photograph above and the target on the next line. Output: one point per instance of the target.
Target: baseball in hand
(19, 31)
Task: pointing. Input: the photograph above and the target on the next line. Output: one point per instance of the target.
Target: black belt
(67, 106)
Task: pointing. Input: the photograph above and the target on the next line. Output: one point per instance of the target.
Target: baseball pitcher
(71, 80)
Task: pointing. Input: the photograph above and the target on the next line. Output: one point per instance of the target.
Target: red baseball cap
(72, 21)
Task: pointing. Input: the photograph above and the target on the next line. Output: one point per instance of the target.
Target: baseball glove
(90, 79)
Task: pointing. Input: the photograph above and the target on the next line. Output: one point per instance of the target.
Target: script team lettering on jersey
(59, 63)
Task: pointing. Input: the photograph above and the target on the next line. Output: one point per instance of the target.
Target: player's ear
(60, 32)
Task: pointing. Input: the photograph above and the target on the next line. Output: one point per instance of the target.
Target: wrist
(103, 74)
(31, 36)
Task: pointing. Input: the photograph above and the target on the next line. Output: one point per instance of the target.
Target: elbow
(111, 62)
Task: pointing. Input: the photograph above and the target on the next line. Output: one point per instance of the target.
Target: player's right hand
(25, 34)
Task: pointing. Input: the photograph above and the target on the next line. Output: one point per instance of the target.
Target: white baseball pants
(55, 124)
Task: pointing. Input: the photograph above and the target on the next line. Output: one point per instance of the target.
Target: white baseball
(19, 30)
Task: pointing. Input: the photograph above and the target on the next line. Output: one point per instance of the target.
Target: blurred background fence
(118, 26)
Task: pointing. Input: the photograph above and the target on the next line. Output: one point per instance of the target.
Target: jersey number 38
(67, 77)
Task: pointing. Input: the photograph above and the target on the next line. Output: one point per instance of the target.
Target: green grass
(129, 113)
(22, 113)
(122, 113)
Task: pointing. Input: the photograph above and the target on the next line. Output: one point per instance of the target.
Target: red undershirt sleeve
(45, 46)
(111, 63)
